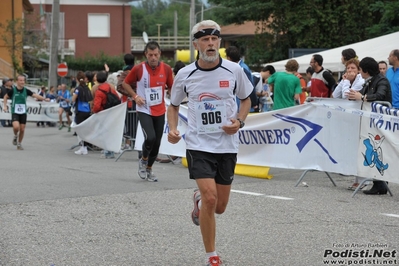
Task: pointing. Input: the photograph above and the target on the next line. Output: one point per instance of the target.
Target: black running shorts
(219, 166)
(21, 118)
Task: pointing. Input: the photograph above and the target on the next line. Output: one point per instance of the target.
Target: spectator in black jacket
(376, 88)
(7, 84)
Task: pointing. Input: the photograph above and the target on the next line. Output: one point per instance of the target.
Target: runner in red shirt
(152, 78)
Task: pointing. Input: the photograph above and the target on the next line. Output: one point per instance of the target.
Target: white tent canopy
(377, 48)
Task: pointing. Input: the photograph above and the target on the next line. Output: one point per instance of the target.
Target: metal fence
(131, 123)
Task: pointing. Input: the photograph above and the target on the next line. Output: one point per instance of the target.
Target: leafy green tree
(137, 19)
(388, 15)
(149, 13)
(22, 42)
(95, 63)
(308, 23)
(13, 40)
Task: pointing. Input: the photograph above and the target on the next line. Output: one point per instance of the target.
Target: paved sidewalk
(57, 208)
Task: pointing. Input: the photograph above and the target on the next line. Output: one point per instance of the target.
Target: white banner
(36, 111)
(302, 137)
(323, 135)
(178, 149)
(378, 150)
(104, 129)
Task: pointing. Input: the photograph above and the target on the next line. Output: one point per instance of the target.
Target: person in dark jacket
(376, 88)
(42, 93)
(7, 83)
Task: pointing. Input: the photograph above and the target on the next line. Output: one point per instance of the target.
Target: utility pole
(175, 28)
(159, 33)
(192, 23)
(55, 28)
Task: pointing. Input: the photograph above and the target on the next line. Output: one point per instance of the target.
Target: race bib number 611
(210, 116)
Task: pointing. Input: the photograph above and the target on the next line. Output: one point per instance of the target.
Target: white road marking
(391, 215)
(259, 194)
(278, 197)
(247, 192)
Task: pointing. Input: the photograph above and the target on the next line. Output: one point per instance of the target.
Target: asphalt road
(58, 208)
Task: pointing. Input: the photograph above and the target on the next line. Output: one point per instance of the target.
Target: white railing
(166, 42)
(65, 46)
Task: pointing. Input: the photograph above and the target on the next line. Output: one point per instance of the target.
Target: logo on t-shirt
(224, 84)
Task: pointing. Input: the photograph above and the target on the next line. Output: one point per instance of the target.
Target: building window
(98, 25)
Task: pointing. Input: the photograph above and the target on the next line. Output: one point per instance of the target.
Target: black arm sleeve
(382, 93)
(330, 79)
(10, 93)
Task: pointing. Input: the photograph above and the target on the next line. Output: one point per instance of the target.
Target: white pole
(202, 12)
(192, 22)
(55, 27)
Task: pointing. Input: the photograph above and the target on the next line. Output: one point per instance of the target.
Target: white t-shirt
(215, 89)
(344, 86)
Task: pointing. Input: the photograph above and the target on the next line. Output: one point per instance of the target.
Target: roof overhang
(27, 5)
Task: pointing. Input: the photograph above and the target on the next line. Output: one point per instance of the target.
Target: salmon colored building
(10, 10)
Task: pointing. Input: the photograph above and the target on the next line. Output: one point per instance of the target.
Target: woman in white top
(350, 80)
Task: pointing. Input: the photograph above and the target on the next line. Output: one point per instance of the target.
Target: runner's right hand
(174, 136)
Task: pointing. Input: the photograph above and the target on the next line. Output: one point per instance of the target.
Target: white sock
(210, 254)
(199, 204)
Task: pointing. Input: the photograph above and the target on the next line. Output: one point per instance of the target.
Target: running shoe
(107, 155)
(214, 261)
(19, 147)
(126, 147)
(61, 126)
(14, 140)
(81, 151)
(196, 210)
(142, 168)
(69, 129)
(150, 176)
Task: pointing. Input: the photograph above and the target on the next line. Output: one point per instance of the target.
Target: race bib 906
(210, 116)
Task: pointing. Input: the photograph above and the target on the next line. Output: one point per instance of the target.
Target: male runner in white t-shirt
(211, 85)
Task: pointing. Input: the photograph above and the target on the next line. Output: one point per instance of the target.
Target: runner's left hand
(232, 128)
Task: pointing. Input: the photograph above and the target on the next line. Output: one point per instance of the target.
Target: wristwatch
(242, 124)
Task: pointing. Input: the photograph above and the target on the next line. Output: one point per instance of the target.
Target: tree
(34, 43)
(387, 12)
(149, 13)
(12, 38)
(137, 20)
(20, 38)
(308, 23)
